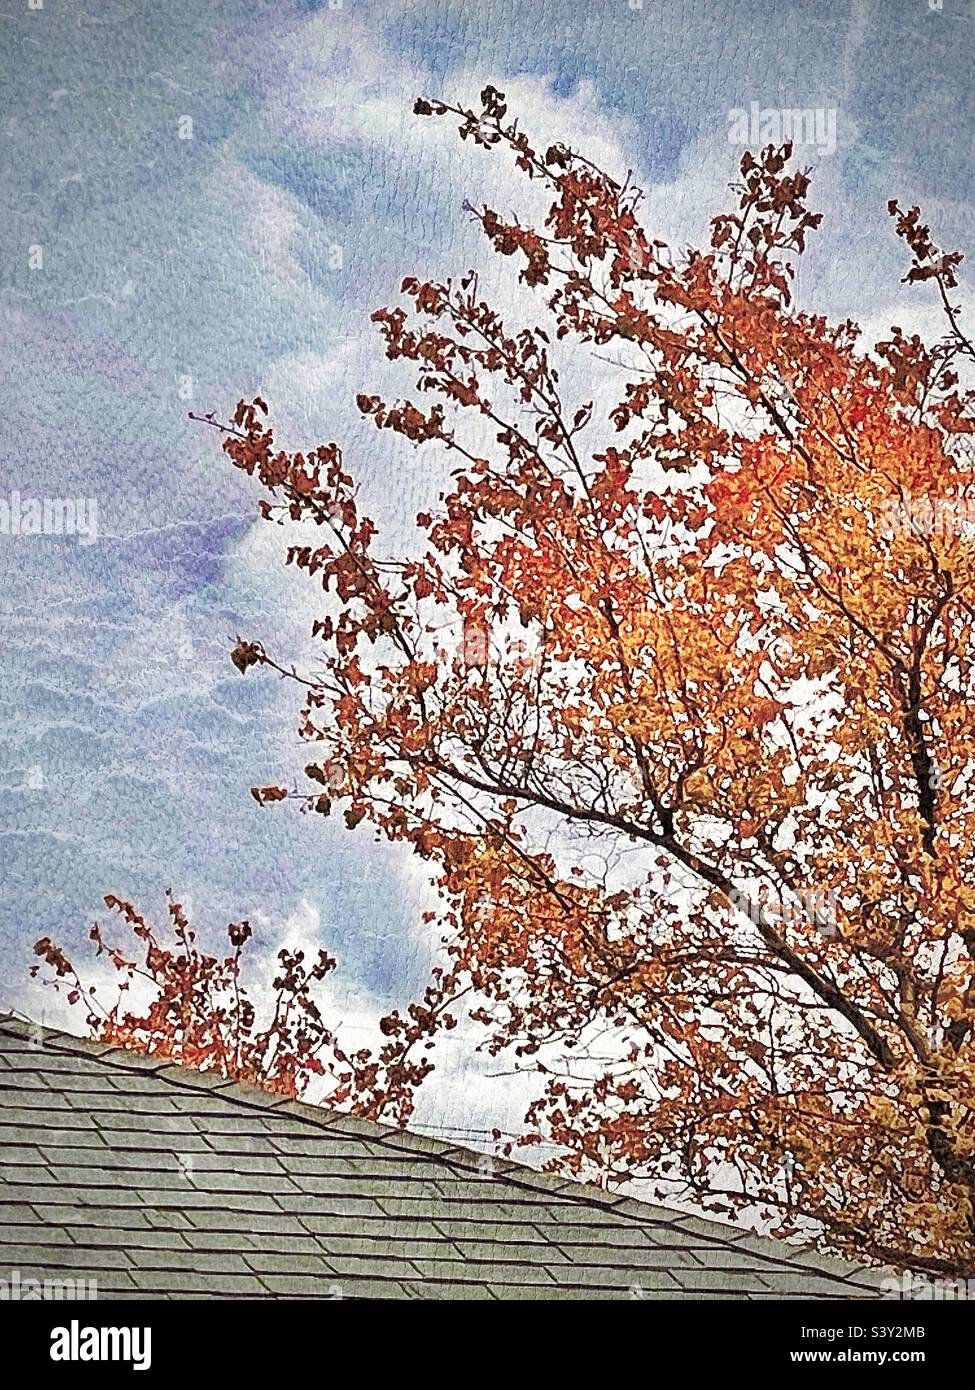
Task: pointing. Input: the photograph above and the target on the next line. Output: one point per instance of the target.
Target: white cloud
(268, 218)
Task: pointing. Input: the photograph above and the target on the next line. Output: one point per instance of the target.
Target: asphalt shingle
(159, 1181)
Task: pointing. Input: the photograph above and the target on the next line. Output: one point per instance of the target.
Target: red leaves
(423, 585)
(196, 1011)
(507, 238)
(422, 107)
(245, 655)
(576, 701)
(51, 955)
(405, 419)
(493, 103)
(239, 933)
(428, 297)
(928, 262)
(266, 795)
(250, 447)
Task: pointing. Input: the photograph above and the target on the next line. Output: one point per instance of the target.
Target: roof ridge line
(582, 1194)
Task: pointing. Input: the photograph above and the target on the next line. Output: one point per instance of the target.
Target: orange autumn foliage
(745, 690)
(673, 696)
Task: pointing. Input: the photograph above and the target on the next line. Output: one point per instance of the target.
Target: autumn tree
(176, 1001)
(674, 699)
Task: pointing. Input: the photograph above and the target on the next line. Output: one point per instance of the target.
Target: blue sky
(246, 256)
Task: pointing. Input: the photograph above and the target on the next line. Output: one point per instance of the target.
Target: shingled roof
(157, 1180)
